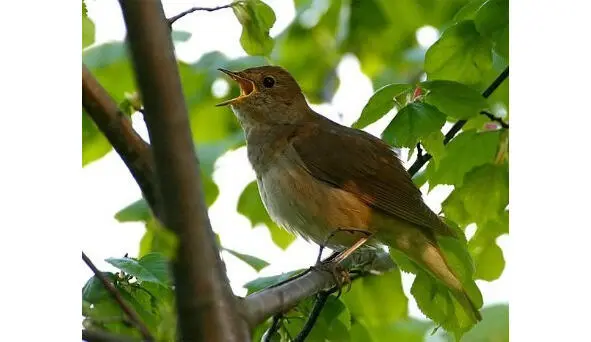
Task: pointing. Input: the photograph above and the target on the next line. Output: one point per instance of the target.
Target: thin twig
(321, 299)
(494, 118)
(419, 151)
(104, 336)
(133, 316)
(419, 163)
(207, 308)
(171, 20)
(273, 329)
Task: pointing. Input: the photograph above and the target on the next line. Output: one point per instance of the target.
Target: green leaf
(454, 99)
(264, 282)
(493, 327)
(492, 21)
(461, 54)
(376, 300)
(94, 143)
(402, 261)
(256, 18)
(94, 291)
(412, 123)
(436, 302)
(453, 208)
(87, 28)
(251, 206)
(468, 11)
(252, 261)
(433, 143)
(463, 153)
(489, 261)
(158, 239)
(407, 330)
(485, 192)
(136, 211)
(380, 103)
(152, 267)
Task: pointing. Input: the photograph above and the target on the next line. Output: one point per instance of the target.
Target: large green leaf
(377, 300)
(407, 330)
(256, 18)
(158, 239)
(94, 291)
(454, 99)
(152, 267)
(466, 151)
(380, 103)
(488, 256)
(412, 123)
(87, 28)
(462, 54)
(485, 192)
(492, 21)
(251, 206)
(436, 302)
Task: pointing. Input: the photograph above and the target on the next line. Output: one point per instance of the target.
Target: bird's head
(268, 95)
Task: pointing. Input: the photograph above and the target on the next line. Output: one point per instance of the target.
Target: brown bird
(316, 177)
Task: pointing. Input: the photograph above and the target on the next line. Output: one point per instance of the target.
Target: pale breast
(309, 207)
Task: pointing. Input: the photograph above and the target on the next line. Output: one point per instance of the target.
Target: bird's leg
(331, 235)
(332, 263)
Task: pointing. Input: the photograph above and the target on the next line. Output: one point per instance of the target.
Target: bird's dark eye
(268, 82)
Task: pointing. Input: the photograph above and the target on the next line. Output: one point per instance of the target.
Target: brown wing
(362, 164)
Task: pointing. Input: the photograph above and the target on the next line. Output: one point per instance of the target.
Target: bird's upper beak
(246, 86)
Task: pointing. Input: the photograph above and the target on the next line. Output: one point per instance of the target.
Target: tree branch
(420, 162)
(117, 128)
(279, 299)
(103, 336)
(129, 311)
(171, 20)
(321, 299)
(206, 307)
(495, 119)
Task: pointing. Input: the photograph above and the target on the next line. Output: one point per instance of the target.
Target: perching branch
(420, 162)
(118, 130)
(207, 309)
(171, 20)
(133, 316)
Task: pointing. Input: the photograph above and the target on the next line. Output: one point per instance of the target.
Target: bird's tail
(426, 253)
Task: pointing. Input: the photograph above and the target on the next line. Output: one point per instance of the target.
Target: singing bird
(316, 177)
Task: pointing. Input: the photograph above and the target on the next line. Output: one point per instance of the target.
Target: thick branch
(129, 311)
(278, 299)
(420, 162)
(207, 309)
(117, 128)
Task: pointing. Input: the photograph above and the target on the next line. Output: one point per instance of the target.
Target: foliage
(470, 53)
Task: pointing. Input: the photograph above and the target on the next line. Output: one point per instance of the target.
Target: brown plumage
(316, 176)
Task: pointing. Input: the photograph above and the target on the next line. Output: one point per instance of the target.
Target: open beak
(246, 86)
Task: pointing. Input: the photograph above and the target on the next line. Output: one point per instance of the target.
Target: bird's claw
(338, 272)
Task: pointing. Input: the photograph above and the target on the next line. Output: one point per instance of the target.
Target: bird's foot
(339, 273)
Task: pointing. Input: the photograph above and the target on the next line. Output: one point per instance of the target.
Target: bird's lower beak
(246, 86)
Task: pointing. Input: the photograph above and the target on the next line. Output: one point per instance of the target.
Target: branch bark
(117, 128)
(207, 309)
